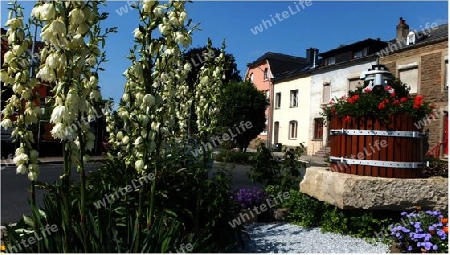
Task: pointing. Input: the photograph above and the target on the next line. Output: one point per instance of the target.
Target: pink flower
(367, 90)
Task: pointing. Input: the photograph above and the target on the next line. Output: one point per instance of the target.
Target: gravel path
(288, 238)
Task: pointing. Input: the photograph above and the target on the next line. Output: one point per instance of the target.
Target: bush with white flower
(21, 111)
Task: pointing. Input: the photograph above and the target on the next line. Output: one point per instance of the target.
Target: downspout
(271, 102)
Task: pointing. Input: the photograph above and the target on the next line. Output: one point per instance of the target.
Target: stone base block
(348, 191)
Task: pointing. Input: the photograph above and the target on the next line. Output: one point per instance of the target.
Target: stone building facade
(421, 61)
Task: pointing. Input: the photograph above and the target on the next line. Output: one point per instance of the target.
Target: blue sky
(322, 25)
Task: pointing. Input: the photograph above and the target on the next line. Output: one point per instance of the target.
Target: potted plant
(381, 110)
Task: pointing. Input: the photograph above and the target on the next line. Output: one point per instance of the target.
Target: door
(275, 132)
(445, 139)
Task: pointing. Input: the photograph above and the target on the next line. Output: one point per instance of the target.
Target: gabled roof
(279, 63)
(304, 69)
(353, 46)
(423, 37)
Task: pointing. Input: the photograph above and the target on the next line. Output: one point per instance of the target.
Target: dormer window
(411, 38)
(331, 61)
(361, 53)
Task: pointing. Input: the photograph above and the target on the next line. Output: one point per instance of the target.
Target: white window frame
(407, 67)
(411, 38)
(293, 124)
(326, 83)
(293, 98)
(278, 100)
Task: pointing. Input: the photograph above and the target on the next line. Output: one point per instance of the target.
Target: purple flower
(427, 245)
(431, 228)
(440, 232)
(417, 225)
(419, 244)
(410, 248)
(403, 213)
(435, 247)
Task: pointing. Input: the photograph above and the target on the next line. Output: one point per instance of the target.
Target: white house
(339, 71)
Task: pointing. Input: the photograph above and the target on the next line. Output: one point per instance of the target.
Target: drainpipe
(271, 103)
(270, 119)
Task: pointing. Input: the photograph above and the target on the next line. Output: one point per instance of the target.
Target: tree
(239, 103)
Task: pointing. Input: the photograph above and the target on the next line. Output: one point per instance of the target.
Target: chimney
(402, 30)
(312, 56)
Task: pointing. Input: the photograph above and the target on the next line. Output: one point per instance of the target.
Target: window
(361, 53)
(446, 74)
(326, 92)
(266, 74)
(331, 61)
(278, 100)
(354, 83)
(411, 38)
(409, 74)
(293, 129)
(294, 97)
(267, 93)
(318, 128)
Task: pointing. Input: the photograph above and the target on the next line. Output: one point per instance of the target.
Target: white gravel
(288, 238)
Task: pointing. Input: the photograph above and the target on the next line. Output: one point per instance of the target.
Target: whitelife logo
(301, 5)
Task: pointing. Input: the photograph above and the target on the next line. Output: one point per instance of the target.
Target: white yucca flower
(76, 16)
(20, 158)
(139, 165)
(6, 123)
(14, 23)
(58, 114)
(44, 12)
(21, 169)
(158, 11)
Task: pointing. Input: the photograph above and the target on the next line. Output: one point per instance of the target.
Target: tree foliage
(242, 102)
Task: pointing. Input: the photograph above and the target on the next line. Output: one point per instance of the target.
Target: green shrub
(436, 168)
(234, 157)
(309, 212)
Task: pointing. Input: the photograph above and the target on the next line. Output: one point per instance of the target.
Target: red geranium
(403, 99)
(418, 101)
(381, 105)
(347, 118)
(393, 94)
(353, 99)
